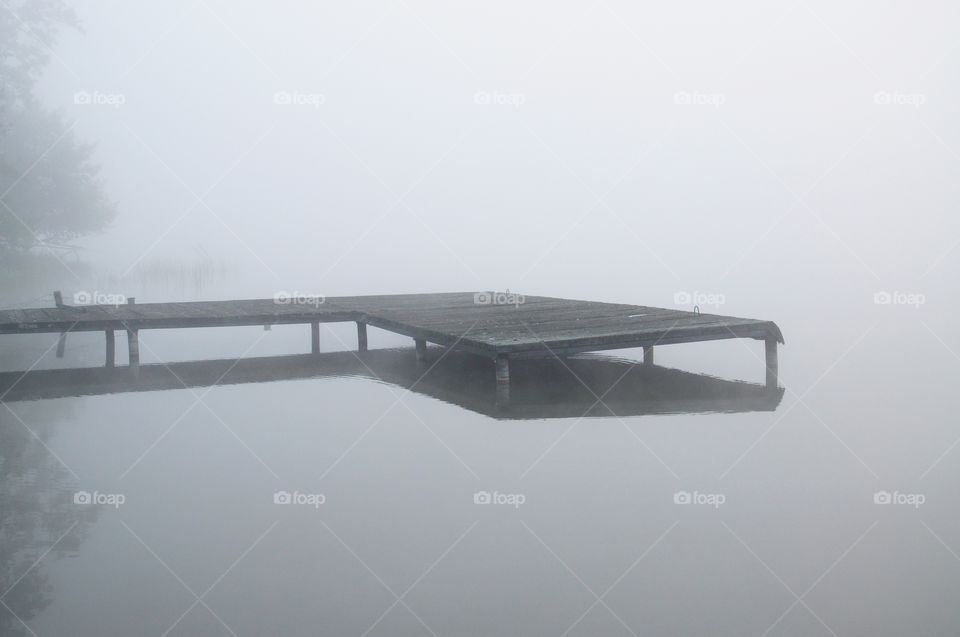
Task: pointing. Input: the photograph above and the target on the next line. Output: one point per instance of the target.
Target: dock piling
(648, 356)
(133, 348)
(771, 360)
(361, 336)
(421, 349)
(111, 349)
(133, 345)
(315, 337)
(503, 380)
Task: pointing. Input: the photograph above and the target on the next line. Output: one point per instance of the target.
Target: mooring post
(771, 358)
(315, 337)
(648, 356)
(58, 299)
(503, 380)
(361, 336)
(421, 349)
(133, 345)
(133, 348)
(61, 344)
(111, 348)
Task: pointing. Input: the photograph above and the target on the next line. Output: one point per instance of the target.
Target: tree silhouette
(50, 189)
(38, 510)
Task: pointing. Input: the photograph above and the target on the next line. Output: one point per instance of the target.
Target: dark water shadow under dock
(540, 388)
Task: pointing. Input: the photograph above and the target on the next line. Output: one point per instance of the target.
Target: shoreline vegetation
(51, 192)
(28, 278)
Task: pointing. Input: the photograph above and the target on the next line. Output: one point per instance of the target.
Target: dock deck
(496, 325)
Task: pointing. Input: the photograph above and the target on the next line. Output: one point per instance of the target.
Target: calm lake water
(416, 513)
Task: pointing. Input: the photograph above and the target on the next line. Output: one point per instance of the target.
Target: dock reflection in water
(584, 385)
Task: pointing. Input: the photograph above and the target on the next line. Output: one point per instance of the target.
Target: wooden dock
(500, 326)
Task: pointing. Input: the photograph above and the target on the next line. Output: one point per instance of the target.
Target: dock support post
(61, 344)
(361, 336)
(771, 359)
(503, 380)
(111, 349)
(421, 349)
(133, 345)
(315, 337)
(648, 356)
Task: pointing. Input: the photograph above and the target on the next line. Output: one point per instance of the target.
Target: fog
(789, 162)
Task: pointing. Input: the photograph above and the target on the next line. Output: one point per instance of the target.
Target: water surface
(422, 511)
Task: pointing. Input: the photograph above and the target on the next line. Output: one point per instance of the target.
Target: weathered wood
(111, 349)
(421, 346)
(648, 355)
(771, 360)
(61, 344)
(315, 337)
(58, 299)
(361, 336)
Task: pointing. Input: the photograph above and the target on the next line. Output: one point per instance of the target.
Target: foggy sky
(542, 147)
